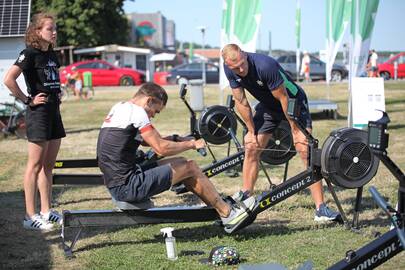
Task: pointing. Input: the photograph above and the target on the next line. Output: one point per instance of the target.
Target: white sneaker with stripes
(53, 217)
(36, 222)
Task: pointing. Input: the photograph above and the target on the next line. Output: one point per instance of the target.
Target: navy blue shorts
(266, 120)
(143, 183)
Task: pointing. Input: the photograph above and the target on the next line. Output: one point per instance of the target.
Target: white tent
(163, 57)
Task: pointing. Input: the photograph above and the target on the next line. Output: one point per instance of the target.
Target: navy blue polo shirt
(265, 75)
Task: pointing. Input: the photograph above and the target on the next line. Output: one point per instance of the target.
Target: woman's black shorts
(44, 122)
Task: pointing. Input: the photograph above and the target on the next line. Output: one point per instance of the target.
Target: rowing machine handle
(202, 151)
(387, 209)
(183, 90)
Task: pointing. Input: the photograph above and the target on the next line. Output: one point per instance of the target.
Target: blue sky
(278, 16)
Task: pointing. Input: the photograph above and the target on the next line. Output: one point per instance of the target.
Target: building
(211, 55)
(13, 23)
(152, 30)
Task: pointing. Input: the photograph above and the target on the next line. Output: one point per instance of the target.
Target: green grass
(284, 234)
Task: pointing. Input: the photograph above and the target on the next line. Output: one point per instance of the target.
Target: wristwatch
(28, 100)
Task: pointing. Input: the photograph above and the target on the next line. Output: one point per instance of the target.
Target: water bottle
(170, 243)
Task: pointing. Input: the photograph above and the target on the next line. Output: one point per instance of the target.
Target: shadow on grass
(21, 248)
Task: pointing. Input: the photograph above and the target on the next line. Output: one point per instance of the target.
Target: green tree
(84, 23)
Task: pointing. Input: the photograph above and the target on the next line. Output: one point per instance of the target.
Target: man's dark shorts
(143, 183)
(266, 120)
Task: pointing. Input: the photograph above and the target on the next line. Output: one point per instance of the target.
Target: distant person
(305, 66)
(266, 80)
(126, 127)
(39, 64)
(372, 65)
(78, 85)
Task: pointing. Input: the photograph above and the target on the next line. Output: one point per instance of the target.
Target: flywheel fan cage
(214, 124)
(280, 147)
(346, 159)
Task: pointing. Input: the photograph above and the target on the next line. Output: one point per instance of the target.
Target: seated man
(128, 125)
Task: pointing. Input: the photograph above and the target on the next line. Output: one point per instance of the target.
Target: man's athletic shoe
(240, 195)
(239, 213)
(324, 213)
(36, 222)
(52, 216)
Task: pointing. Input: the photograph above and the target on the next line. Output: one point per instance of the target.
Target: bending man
(127, 126)
(266, 80)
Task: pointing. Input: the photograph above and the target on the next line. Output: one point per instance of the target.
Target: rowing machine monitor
(293, 109)
(377, 133)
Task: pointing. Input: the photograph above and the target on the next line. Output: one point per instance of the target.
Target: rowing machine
(316, 168)
(389, 244)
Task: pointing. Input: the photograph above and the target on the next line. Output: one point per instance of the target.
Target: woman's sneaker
(324, 213)
(238, 214)
(36, 222)
(53, 217)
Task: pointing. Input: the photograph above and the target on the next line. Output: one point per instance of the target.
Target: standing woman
(39, 64)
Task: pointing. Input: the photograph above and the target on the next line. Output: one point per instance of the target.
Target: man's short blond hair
(231, 52)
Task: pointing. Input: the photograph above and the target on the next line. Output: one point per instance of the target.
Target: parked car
(105, 74)
(386, 69)
(317, 68)
(185, 72)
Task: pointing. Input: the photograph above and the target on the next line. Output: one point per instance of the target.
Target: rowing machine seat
(131, 205)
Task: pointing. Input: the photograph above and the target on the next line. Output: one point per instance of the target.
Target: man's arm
(281, 95)
(165, 147)
(243, 107)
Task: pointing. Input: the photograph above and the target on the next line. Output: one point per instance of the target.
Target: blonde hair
(37, 22)
(231, 52)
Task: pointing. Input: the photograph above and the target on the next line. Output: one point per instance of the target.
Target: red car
(105, 74)
(386, 69)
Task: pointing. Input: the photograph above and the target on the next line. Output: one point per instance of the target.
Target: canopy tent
(163, 57)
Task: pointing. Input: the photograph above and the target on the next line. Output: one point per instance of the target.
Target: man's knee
(193, 167)
(252, 151)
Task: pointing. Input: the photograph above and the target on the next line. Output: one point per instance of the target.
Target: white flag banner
(362, 24)
(361, 28)
(298, 37)
(337, 20)
(240, 25)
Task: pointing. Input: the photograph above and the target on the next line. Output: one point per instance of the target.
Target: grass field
(284, 234)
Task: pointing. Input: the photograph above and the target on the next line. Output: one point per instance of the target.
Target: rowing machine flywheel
(280, 148)
(214, 124)
(347, 160)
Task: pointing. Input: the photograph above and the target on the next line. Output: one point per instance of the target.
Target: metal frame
(81, 219)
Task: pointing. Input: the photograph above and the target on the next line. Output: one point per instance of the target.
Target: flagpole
(298, 37)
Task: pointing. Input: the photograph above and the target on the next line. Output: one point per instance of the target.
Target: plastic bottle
(170, 243)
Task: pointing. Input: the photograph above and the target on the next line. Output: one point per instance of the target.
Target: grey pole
(202, 29)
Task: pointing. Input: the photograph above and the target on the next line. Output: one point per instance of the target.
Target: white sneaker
(36, 222)
(53, 217)
(238, 214)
